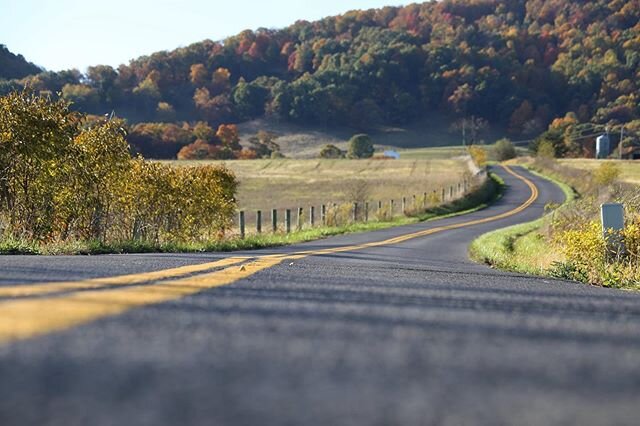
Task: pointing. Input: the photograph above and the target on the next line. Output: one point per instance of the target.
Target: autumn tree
(264, 144)
(198, 75)
(36, 138)
(228, 136)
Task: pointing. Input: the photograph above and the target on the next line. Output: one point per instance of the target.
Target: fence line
(359, 211)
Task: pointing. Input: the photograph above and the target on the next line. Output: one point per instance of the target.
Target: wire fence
(335, 214)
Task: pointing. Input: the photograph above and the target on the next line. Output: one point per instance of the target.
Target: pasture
(291, 183)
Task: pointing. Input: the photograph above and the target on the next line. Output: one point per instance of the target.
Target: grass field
(298, 141)
(288, 183)
(630, 169)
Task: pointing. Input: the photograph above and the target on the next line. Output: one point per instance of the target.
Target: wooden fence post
(424, 200)
(443, 195)
(287, 220)
(366, 211)
(274, 220)
(312, 216)
(391, 208)
(299, 219)
(404, 205)
(354, 216)
(259, 221)
(241, 222)
(323, 215)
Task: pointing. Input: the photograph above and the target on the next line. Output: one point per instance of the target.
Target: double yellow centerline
(32, 310)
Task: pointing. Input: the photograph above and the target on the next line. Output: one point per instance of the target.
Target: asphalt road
(411, 333)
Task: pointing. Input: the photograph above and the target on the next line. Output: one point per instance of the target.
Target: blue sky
(63, 34)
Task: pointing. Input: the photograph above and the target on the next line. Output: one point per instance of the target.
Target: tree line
(519, 65)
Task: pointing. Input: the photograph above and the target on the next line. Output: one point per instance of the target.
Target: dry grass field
(630, 169)
(288, 183)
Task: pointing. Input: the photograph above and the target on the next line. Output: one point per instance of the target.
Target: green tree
(249, 99)
(553, 140)
(103, 79)
(360, 146)
(82, 97)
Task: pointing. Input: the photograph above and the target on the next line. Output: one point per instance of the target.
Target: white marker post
(612, 215)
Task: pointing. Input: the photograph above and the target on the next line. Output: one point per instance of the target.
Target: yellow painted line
(95, 283)
(26, 318)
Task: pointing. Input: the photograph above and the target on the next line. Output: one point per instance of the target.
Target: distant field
(305, 141)
(630, 168)
(288, 183)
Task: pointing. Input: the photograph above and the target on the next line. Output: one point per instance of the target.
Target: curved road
(351, 332)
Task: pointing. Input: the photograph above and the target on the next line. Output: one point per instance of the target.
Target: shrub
(607, 173)
(546, 149)
(478, 154)
(331, 151)
(504, 150)
(360, 146)
(63, 182)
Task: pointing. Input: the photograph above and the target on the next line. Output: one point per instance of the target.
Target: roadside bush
(478, 154)
(63, 181)
(36, 140)
(587, 257)
(576, 232)
(607, 173)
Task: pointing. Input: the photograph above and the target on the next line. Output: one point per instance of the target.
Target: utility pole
(620, 144)
(464, 132)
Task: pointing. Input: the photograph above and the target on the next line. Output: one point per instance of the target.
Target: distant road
(393, 327)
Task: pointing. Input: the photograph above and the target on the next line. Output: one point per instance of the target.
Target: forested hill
(15, 66)
(518, 64)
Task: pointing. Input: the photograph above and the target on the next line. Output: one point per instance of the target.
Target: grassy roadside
(519, 248)
(476, 200)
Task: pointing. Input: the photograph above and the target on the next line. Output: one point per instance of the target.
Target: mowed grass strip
(520, 248)
(289, 183)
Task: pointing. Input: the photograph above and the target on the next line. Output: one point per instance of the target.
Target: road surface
(393, 327)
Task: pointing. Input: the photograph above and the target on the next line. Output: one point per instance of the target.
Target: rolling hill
(516, 65)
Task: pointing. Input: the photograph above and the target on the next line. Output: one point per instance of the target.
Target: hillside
(514, 65)
(15, 66)
(305, 141)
